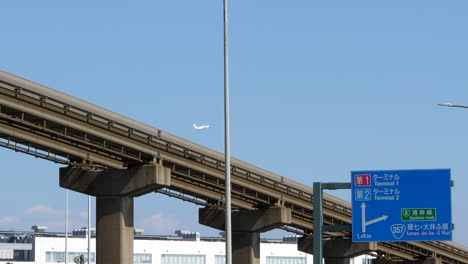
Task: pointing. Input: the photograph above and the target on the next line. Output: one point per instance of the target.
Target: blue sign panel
(401, 205)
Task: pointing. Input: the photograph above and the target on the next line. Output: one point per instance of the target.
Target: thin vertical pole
(89, 228)
(227, 139)
(66, 226)
(318, 222)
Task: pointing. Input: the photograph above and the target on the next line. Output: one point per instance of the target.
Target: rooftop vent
(83, 231)
(138, 232)
(187, 235)
(290, 239)
(38, 228)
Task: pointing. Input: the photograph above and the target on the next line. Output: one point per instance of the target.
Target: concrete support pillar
(114, 190)
(246, 228)
(114, 227)
(246, 247)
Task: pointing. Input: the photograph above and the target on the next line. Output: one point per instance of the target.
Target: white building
(184, 248)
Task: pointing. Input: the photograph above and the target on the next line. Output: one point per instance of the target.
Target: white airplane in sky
(200, 127)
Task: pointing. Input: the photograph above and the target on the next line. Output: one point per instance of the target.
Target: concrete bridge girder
(246, 228)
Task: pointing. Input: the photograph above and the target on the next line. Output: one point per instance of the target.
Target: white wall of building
(157, 248)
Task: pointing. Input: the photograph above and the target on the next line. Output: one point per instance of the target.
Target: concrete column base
(246, 247)
(114, 227)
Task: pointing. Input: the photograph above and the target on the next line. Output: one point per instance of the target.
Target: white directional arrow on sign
(382, 218)
(373, 221)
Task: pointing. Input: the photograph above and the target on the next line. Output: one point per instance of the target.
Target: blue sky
(318, 89)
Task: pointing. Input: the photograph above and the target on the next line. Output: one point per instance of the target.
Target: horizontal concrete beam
(336, 248)
(134, 181)
(259, 220)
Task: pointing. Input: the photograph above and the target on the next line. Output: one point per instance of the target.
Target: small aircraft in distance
(200, 127)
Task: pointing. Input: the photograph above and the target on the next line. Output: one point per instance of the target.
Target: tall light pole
(227, 138)
(89, 229)
(66, 226)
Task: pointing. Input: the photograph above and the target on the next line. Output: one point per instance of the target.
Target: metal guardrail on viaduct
(46, 123)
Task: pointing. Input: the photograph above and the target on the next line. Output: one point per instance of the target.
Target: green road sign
(418, 214)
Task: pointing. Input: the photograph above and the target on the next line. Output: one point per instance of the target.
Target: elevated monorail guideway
(49, 124)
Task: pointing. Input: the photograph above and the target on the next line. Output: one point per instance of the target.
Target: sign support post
(318, 216)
